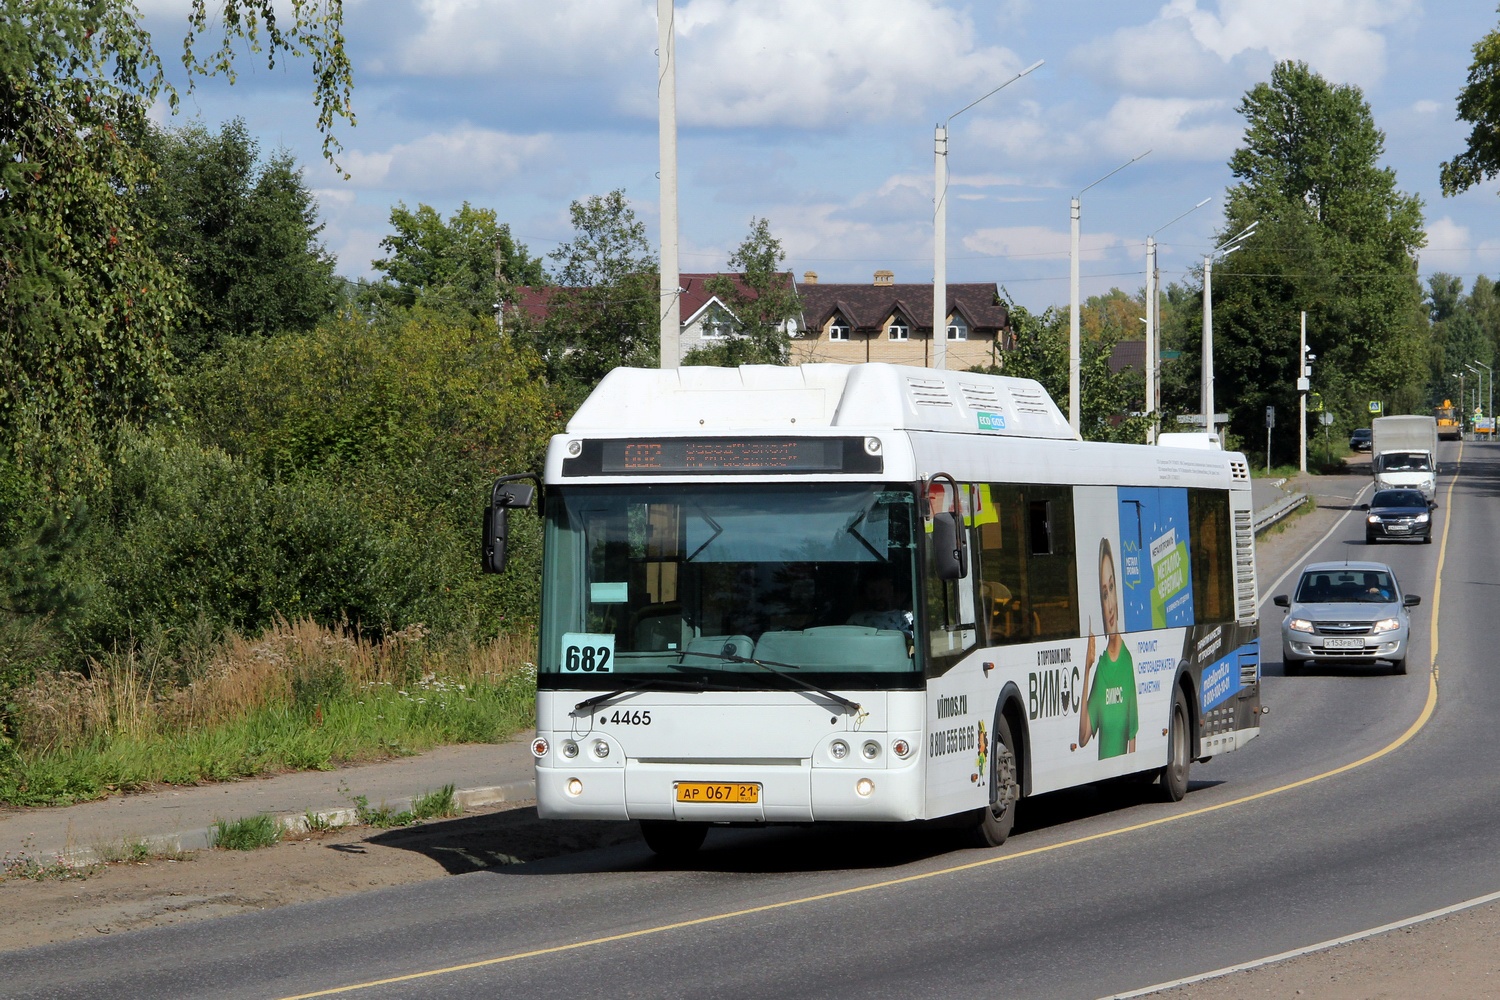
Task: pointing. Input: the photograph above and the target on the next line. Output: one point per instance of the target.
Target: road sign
(1325, 419)
(1376, 406)
(1270, 417)
(1197, 418)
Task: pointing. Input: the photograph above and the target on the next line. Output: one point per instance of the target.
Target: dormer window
(899, 329)
(716, 325)
(838, 328)
(957, 328)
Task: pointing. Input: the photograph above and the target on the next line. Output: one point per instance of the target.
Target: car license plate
(1343, 644)
(1394, 528)
(718, 791)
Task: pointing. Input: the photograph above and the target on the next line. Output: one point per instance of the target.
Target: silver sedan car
(1346, 612)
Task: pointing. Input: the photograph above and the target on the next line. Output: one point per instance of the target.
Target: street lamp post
(940, 225)
(1074, 212)
(1153, 322)
(1224, 249)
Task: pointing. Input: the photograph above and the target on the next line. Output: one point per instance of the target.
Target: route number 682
(587, 653)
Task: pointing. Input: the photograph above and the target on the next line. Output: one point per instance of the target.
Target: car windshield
(1361, 435)
(1346, 586)
(1398, 498)
(1405, 461)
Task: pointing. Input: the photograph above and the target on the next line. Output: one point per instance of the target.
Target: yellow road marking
(1422, 718)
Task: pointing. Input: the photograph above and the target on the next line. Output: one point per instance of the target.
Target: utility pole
(1304, 383)
(1074, 391)
(940, 225)
(1224, 249)
(1153, 328)
(666, 111)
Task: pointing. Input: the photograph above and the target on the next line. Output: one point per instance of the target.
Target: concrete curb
(184, 841)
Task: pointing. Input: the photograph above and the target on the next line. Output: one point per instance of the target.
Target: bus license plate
(1343, 644)
(718, 791)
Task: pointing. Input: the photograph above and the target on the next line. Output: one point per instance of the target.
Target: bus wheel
(1174, 777)
(997, 819)
(671, 840)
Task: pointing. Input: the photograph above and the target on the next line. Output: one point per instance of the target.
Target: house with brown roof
(706, 318)
(888, 321)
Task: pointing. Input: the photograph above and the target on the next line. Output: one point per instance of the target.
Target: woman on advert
(1108, 684)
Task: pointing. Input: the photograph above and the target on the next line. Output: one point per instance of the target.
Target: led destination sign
(722, 456)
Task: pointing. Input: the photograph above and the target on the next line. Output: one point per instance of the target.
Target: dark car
(1360, 439)
(1346, 612)
(1398, 514)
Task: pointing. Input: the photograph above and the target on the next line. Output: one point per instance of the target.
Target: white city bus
(831, 592)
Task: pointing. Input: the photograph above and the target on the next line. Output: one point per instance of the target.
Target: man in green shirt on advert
(1109, 702)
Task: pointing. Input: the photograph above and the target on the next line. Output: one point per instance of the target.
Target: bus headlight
(864, 786)
(871, 750)
(601, 749)
(901, 749)
(838, 749)
(575, 786)
(539, 747)
(569, 749)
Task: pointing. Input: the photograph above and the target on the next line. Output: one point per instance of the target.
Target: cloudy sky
(819, 115)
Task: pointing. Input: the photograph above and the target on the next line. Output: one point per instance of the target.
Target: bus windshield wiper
(779, 670)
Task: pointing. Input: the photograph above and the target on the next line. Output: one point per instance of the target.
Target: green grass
(377, 723)
(431, 805)
(246, 834)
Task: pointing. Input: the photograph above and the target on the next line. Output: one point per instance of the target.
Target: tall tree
(1479, 105)
(467, 264)
(603, 314)
(1336, 239)
(85, 302)
(1106, 398)
(242, 234)
(763, 301)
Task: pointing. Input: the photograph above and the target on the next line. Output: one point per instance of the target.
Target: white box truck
(1403, 453)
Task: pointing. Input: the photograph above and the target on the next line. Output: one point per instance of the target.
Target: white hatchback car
(1346, 612)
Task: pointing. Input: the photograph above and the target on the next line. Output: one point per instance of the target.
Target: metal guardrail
(1280, 509)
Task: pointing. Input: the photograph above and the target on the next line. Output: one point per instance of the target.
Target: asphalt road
(1098, 891)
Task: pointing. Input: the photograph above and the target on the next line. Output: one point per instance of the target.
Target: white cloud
(1426, 107)
(560, 37)
(1038, 242)
(1188, 45)
(1452, 247)
(1173, 127)
(793, 63)
(464, 159)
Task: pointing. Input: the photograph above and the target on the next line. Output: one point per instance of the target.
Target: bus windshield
(724, 584)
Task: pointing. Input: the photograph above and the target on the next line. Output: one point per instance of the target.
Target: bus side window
(952, 629)
(1051, 570)
(1212, 555)
(1002, 567)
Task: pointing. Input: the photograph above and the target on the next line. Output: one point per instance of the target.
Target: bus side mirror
(950, 555)
(504, 497)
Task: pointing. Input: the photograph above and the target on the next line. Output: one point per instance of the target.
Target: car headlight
(1387, 625)
(1373, 519)
(1422, 518)
(1299, 625)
